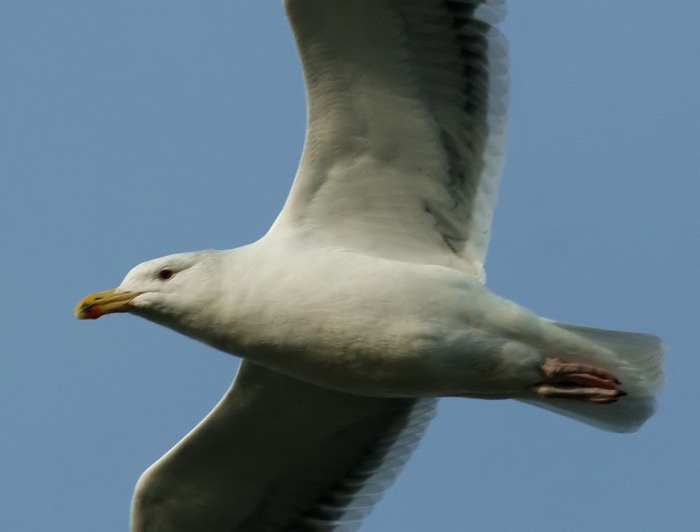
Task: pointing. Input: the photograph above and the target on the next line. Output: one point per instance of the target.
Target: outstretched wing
(279, 454)
(406, 113)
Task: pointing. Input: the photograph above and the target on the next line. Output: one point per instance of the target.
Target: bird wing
(406, 127)
(280, 454)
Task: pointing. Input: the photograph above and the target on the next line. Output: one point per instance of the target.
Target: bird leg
(570, 380)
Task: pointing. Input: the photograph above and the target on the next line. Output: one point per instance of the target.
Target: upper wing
(406, 113)
(279, 454)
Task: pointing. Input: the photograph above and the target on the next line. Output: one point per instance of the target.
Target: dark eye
(165, 274)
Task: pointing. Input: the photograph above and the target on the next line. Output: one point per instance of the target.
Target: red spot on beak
(94, 312)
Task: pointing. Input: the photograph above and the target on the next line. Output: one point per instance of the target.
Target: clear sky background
(130, 130)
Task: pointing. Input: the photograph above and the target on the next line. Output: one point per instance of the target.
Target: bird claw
(570, 380)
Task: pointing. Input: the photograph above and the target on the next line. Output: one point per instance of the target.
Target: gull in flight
(365, 301)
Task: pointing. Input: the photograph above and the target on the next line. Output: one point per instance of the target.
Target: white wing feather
(279, 454)
(406, 127)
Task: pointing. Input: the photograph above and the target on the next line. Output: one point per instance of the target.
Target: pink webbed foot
(570, 380)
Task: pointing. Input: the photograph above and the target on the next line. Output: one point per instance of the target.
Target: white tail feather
(635, 359)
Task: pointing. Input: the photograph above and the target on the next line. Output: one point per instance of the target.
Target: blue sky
(130, 130)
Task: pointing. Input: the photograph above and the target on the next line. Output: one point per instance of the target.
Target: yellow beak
(95, 305)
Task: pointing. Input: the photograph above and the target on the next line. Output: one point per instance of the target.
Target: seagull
(366, 301)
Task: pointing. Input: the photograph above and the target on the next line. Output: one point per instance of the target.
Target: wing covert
(406, 127)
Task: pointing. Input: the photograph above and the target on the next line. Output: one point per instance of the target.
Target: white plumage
(365, 301)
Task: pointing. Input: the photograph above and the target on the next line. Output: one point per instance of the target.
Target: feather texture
(406, 127)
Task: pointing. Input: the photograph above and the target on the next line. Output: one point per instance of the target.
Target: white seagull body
(365, 301)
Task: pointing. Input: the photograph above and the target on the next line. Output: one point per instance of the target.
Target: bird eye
(165, 274)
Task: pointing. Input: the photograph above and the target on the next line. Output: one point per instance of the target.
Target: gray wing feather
(353, 497)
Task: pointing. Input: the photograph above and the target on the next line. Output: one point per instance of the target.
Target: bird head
(164, 290)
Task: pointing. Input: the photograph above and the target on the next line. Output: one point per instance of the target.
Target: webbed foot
(571, 380)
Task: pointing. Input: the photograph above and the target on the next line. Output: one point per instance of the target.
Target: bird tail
(635, 359)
